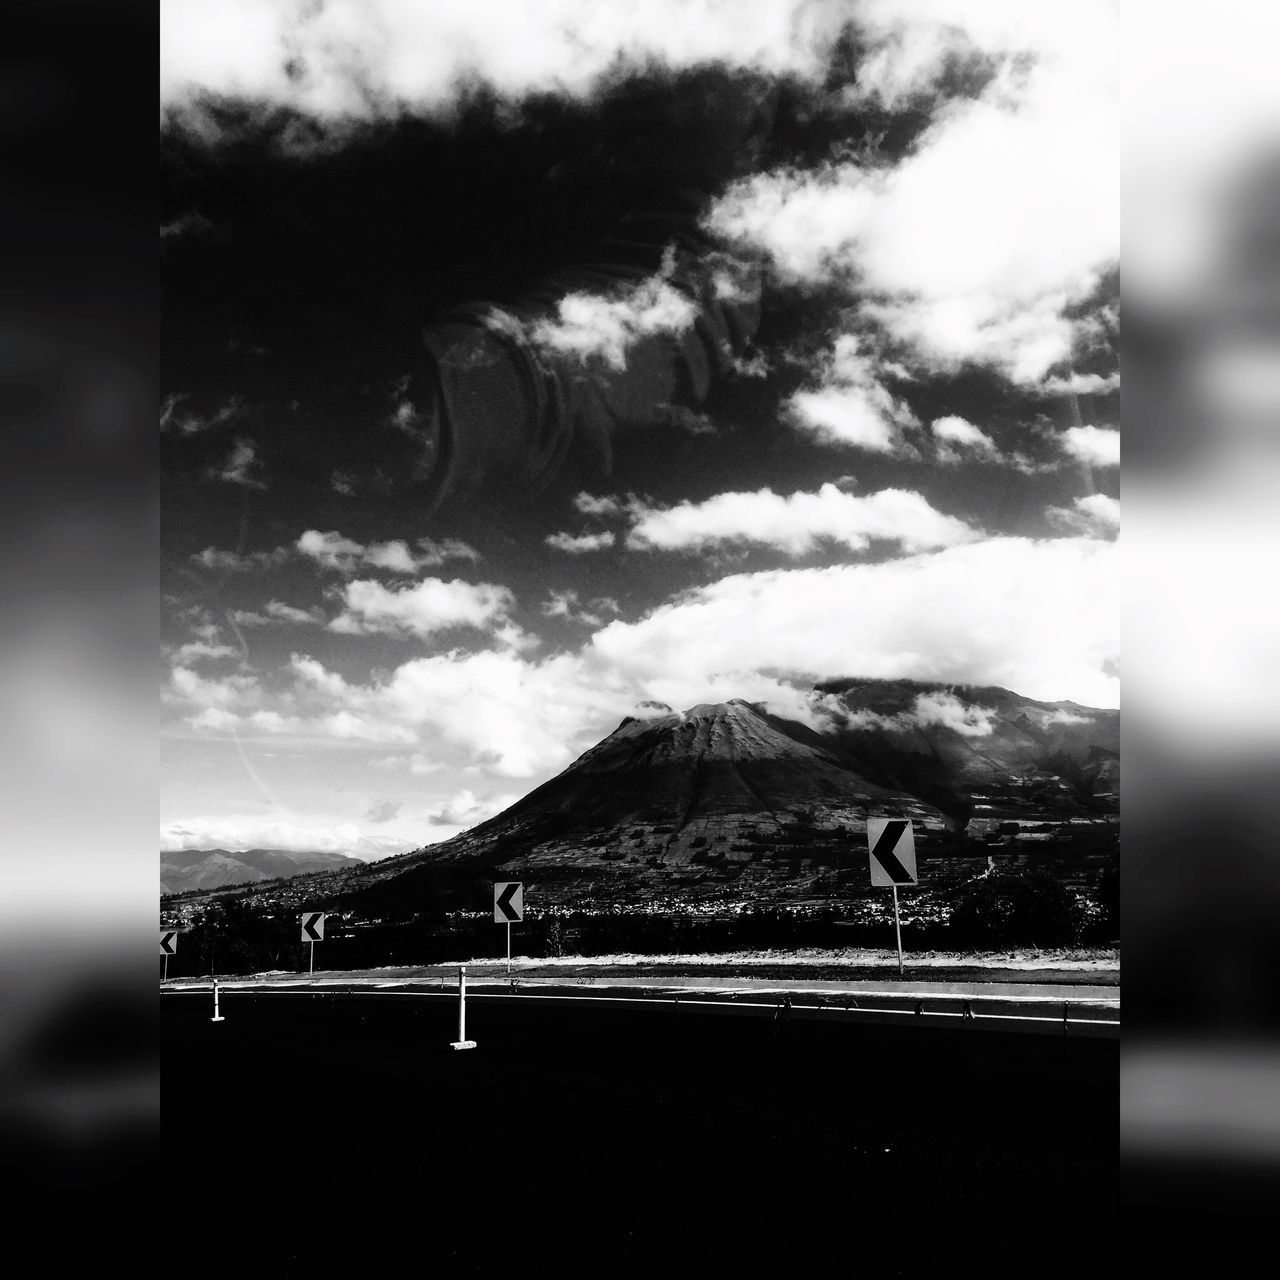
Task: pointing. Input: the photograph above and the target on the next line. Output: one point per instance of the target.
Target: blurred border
(79, 346)
(1200, 1095)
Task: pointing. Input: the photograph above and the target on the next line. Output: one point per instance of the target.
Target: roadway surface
(318, 1130)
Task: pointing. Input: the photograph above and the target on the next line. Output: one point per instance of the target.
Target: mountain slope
(975, 750)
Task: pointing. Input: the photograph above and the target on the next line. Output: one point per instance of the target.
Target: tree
(1027, 908)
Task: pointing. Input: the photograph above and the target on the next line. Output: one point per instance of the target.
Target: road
(317, 1129)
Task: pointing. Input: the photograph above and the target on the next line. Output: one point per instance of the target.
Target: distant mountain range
(185, 869)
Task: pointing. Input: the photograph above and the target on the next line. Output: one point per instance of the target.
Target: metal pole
(897, 928)
(462, 1042)
(508, 946)
(313, 957)
(166, 968)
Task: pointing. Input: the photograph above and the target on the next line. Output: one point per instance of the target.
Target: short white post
(897, 928)
(217, 1017)
(462, 1042)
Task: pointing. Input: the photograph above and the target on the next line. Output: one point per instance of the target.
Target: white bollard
(462, 1042)
(217, 1017)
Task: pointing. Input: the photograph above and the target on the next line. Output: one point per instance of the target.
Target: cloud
(343, 482)
(566, 604)
(241, 466)
(1059, 716)
(1005, 212)
(1082, 384)
(173, 418)
(417, 764)
(1036, 616)
(605, 327)
(851, 406)
(605, 505)
(276, 611)
(383, 810)
(194, 650)
(332, 551)
(1095, 516)
(947, 711)
(1094, 446)
(939, 708)
(239, 832)
(466, 809)
(423, 609)
(220, 561)
(960, 441)
(576, 544)
(799, 522)
(375, 58)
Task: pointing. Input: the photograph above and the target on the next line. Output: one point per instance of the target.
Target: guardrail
(1083, 1020)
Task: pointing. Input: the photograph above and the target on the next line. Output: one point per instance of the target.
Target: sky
(526, 362)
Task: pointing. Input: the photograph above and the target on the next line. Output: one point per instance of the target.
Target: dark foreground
(310, 1133)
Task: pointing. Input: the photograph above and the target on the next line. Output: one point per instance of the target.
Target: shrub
(1016, 908)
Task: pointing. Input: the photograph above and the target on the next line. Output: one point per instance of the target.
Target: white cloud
(604, 505)
(946, 710)
(1082, 384)
(466, 808)
(423, 609)
(378, 57)
(1038, 617)
(194, 650)
(851, 406)
(416, 764)
(238, 832)
(222, 693)
(220, 561)
(591, 325)
(960, 441)
(276, 611)
(575, 544)
(332, 550)
(1094, 446)
(521, 717)
(799, 522)
(241, 467)
(566, 604)
(190, 424)
(1095, 516)
(1005, 211)
(1035, 616)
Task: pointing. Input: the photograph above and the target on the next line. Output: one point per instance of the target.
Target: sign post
(508, 905)
(313, 932)
(892, 849)
(168, 947)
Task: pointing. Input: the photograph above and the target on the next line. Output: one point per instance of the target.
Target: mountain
(184, 869)
(729, 800)
(977, 753)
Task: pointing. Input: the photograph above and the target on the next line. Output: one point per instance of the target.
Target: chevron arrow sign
(892, 847)
(508, 903)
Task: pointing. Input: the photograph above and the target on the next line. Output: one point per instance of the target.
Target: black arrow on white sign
(504, 902)
(167, 944)
(309, 926)
(884, 854)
